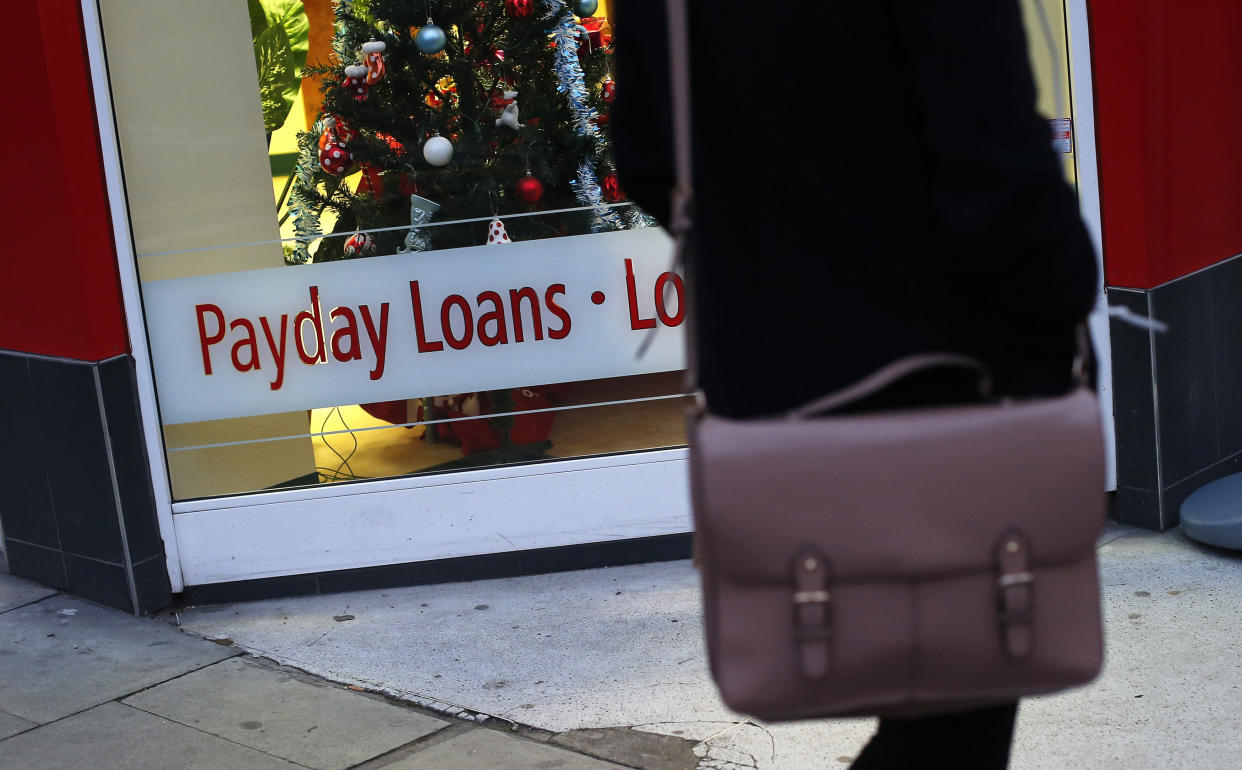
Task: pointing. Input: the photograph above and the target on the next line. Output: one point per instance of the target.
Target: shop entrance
(339, 370)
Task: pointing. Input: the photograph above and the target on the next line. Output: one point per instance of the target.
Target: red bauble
(612, 189)
(608, 90)
(520, 9)
(529, 189)
(334, 155)
(336, 158)
(359, 245)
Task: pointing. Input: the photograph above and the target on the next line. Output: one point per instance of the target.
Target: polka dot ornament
(356, 82)
(374, 53)
(335, 156)
(496, 233)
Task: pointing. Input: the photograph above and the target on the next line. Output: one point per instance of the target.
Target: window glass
(386, 237)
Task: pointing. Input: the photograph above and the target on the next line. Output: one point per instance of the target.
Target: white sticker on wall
(1062, 135)
(407, 325)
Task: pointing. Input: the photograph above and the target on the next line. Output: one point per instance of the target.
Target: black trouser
(967, 740)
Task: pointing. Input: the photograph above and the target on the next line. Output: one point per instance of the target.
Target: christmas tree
(488, 120)
(462, 111)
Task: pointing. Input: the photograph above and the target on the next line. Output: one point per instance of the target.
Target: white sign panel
(408, 325)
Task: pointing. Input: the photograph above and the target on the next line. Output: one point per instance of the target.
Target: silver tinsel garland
(571, 81)
(305, 220)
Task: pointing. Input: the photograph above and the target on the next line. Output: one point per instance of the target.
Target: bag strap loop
(882, 378)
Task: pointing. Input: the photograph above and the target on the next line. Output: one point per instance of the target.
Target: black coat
(872, 180)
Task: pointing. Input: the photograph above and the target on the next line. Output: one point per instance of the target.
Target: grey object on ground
(281, 713)
(63, 655)
(1213, 513)
(116, 737)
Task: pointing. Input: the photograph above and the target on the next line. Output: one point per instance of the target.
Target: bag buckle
(1015, 594)
(812, 610)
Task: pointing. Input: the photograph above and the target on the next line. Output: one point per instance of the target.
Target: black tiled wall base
(1176, 403)
(76, 505)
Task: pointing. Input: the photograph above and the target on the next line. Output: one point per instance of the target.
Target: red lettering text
(205, 341)
(446, 324)
(661, 295)
(632, 292)
(416, 303)
(558, 311)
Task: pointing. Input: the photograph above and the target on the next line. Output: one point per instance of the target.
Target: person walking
(872, 181)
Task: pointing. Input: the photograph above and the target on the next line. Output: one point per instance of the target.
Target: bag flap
(899, 494)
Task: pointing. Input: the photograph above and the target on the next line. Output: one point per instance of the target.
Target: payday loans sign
(408, 325)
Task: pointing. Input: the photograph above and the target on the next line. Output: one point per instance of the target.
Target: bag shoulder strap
(882, 378)
(681, 210)
(681, 218)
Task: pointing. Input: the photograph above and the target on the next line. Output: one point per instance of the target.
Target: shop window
(385, 237)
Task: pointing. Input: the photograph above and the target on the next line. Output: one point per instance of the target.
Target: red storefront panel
(1169, 119)
(62, 295)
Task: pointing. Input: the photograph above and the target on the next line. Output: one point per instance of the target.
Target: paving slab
(65, 655)
(636, 748)
(484, 748)
(618, 647)
(622, 647)
(12, 725)
(281, 713)
(599, 648)
(15, 592)
(116, 737)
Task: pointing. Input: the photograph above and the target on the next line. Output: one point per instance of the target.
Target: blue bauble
(430, 39)
(586, 7)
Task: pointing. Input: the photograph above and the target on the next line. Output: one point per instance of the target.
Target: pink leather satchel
(898, 562)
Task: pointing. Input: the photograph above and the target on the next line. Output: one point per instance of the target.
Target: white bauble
(438, 151)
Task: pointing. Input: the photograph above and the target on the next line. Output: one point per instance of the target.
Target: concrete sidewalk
(82, 686)
(620, 650)
(593, 669)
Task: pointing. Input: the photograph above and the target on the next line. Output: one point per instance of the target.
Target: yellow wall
(186, 98)
(1050, 65)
